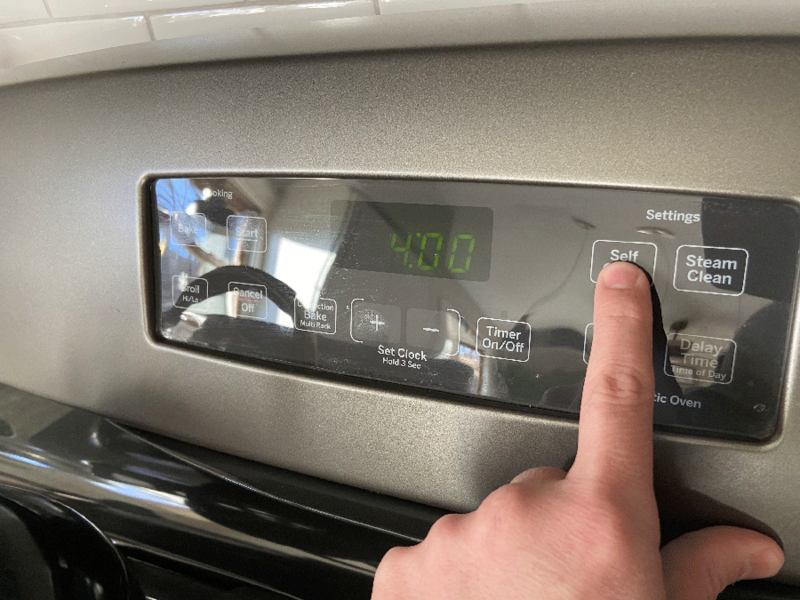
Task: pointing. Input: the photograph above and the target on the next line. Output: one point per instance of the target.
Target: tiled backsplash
(37, 30)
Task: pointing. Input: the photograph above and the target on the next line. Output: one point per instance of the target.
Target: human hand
(592, 532)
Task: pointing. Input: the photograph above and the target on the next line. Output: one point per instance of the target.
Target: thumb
(699, 565)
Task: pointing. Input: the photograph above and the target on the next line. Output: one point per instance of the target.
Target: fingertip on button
(621, 275)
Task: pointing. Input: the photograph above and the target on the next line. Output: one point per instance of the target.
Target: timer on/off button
(503, 339)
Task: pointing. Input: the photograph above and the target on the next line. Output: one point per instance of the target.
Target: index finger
(615, 438)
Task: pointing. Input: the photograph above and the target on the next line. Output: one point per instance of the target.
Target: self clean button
(608, 251)
(711, 270)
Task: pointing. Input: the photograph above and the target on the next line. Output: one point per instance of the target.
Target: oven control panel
(481, 290)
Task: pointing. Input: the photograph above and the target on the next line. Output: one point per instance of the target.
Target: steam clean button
(711, 270)
(608, 251)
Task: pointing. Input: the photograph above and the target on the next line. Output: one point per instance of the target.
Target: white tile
(81, 8)
(33, 43)
(250, 17)
(411, 6)
(21, 10)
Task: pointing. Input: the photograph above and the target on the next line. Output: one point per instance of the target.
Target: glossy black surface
(188, 523)
(276, 533)
(324, 273)
(75, 561)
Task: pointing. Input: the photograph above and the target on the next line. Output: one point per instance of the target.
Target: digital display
(416, 239)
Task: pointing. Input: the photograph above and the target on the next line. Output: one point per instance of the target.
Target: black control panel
(482, 290)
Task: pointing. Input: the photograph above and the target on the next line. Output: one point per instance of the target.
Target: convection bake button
(319, 318)
(250, 300)
(608, 251)
(437, 330)
(711, 270)
(188, 291)
(700, 358)
(504, 340)
(371, 322)
(188, 230)
(247, 233)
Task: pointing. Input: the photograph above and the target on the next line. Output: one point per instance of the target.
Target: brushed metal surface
(711, 117)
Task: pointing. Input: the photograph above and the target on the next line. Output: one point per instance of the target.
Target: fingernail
(764, 563)
(620, 275)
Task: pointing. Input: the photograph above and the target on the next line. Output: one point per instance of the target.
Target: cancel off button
(711, 270)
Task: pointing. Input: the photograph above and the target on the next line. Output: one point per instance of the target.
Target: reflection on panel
(481, 290)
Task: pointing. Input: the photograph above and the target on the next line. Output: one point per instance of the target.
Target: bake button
(247, 233)
(319, 317)
(700, 358)
(188, 230)
(188, 291)
(436, 330)
(711, 270)
(371, 322)
(608, 251)
(504, 340)
(249, 300)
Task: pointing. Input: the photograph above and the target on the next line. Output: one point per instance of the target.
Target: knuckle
(505, 507)
(390, 570)
(445, 528)
(713, 581)
(620, 385)
(624, 314)
(609, 535)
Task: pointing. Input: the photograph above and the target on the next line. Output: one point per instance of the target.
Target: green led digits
(404, 249)
(430, 247)
(454, 249)
(429, 266)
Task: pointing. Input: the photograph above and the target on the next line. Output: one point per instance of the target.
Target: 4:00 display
(459, 257)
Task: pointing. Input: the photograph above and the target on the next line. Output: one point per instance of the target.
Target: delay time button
(700, 358)
(608, 251)
(504, 340)
(711, 270)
